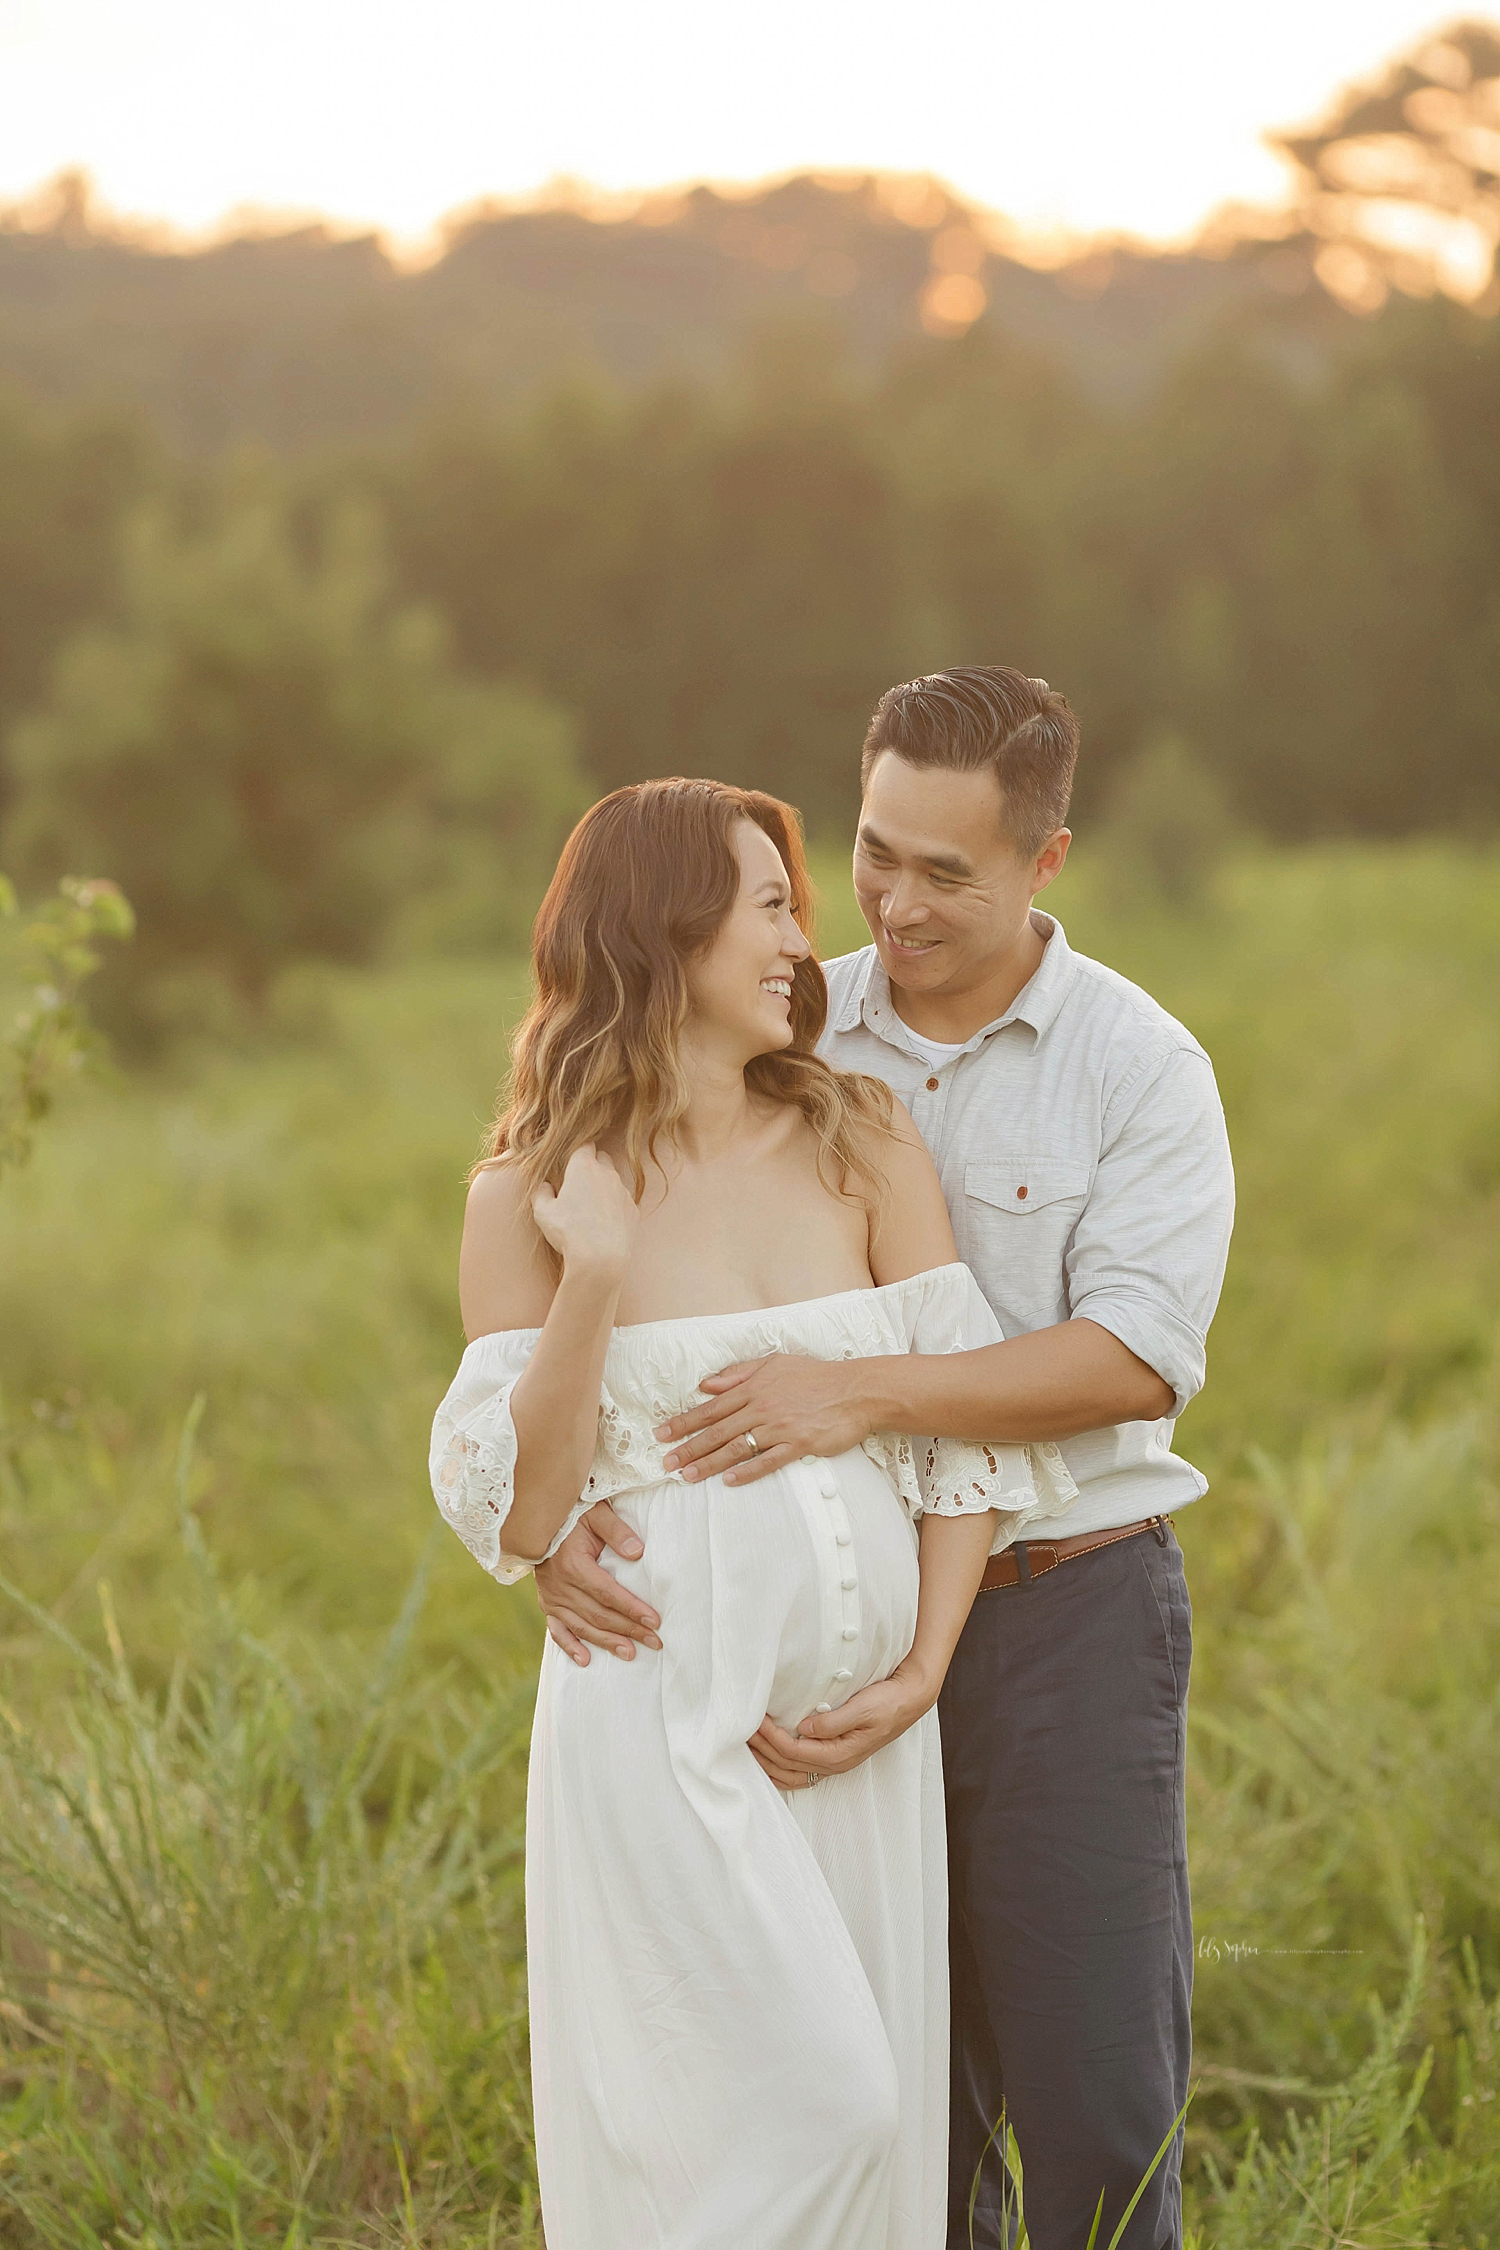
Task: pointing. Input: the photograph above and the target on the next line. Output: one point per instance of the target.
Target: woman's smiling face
(742, 987)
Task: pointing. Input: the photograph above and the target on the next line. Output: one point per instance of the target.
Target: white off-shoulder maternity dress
(739, 1999)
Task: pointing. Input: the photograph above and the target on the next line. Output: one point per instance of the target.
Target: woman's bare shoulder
(505, 1278)
(910, 1230)
(902, 1158)
(495, 1187)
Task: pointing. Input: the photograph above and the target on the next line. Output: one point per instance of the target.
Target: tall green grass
(259, 1912)
(262, 1970)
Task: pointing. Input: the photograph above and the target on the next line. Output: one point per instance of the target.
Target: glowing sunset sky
(1088, 114)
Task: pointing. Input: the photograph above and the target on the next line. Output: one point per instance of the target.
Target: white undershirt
(933, 1051)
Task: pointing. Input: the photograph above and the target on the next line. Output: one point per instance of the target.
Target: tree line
(292, 706)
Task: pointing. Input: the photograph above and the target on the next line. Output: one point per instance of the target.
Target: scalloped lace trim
(474, 1485)
(474, 1477)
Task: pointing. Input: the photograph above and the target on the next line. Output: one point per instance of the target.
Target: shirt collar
(868, 999)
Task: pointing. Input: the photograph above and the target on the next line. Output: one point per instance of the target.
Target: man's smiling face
(940, 882)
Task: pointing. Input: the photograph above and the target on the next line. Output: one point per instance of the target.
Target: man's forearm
(1054, 1383)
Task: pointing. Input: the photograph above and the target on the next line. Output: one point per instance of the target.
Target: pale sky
(1130, 115)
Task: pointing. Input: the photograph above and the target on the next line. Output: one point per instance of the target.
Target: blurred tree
(309, 338)
(1310, 573)
(1363, 629)
(1300, 572)
(713, 585)
(559, 547)
(1291, 554)
(1168, 825)
(793, 608)
(501, 799)
(1178, 510)
(996, 457)
(49, 953)
(65, 482)
(264, 749)
(1400, 182)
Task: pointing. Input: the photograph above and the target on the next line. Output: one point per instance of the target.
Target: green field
(262, 1731)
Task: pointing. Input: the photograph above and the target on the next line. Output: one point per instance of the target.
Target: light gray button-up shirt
(1081, 1146)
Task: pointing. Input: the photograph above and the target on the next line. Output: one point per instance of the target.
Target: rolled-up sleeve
(1148, 1254)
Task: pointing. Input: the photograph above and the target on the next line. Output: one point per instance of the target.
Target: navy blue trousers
(1071, 1930)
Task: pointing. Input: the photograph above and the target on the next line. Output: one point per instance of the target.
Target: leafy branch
(53, 949)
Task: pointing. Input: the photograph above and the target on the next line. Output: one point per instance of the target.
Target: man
(1081, 1144)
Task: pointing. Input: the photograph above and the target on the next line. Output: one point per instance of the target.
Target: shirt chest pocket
(1028, 1186)
(1020, 1212)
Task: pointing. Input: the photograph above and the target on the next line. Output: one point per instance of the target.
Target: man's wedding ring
(750, 1441)
(813, 1779)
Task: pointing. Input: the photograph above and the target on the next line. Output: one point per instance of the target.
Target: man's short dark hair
(986, 715)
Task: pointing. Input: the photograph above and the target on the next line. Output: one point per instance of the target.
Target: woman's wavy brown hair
(644, 884)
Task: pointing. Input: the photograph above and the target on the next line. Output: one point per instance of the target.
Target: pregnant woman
(739, 2011)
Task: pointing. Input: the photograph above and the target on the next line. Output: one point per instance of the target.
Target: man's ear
(1049, 860)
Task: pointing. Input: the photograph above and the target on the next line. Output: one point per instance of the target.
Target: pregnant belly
(779, 1596)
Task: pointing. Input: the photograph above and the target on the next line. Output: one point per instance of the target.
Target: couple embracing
(878, 1827)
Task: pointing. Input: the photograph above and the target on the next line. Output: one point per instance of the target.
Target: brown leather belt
(1033, 1558)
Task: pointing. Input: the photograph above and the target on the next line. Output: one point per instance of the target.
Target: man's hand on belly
(838, 1741)
(791, 1406)
(582, 1602)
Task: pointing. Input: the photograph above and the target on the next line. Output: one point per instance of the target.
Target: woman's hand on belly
(838, 1741)
(954, 1551)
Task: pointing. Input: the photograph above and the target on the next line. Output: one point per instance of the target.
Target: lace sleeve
(472, 1462)
(1020, 1482)
(946, 1311)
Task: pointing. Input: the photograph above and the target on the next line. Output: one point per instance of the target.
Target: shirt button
(848, 1584)
(851, 1632)
(841, 1538)
(1020, 1195)
(843, 1675)
(825, 1706)
(932, 1085)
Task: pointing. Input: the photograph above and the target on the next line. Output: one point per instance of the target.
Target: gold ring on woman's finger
(750, 1441)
